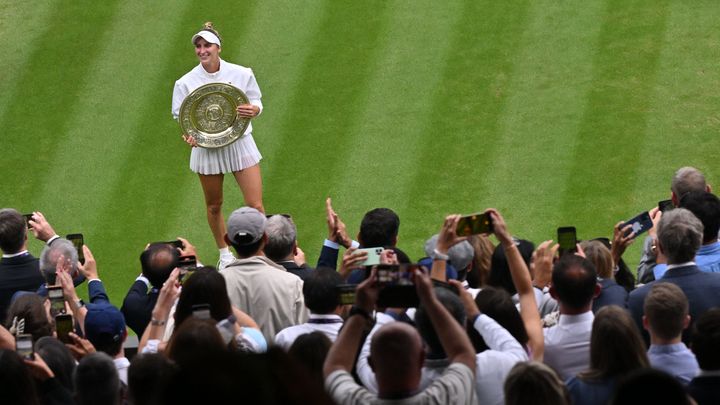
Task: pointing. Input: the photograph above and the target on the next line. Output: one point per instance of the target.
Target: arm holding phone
(447, 238)
(160, 314)
(523, 284)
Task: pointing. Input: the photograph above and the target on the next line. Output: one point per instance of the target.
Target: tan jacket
(267, 292)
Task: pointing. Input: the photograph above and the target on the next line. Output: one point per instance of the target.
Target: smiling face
(207, 53)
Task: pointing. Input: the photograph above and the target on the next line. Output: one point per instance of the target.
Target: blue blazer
(702, 291)
(138, 305)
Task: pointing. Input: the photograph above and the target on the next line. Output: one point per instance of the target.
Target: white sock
(225, 252)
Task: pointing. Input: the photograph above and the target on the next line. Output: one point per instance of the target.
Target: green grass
(557, 113)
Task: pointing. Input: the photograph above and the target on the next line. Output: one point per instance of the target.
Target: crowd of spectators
(472, 322)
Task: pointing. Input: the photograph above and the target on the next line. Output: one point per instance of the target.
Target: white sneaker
(225, 260)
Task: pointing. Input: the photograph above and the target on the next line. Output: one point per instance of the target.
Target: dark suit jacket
(328, 258)
(20, 273)
(303, 271)
(612, 294)
(705, 390)
(138, 305)
(702, 291)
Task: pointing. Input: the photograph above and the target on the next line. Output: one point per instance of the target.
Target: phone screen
(201, 311)
(57, 299)
(63, 327)
(474, 224)
(665, 205)
(24, 346)
(28, 217)
(174, 243)
(373, 256)
(397, 286)
(640, 224)
(346, 293)
(567, 238)
(78, 241)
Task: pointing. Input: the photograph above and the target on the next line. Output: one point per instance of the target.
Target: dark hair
(13, 230)
(500, 269)
(158, 261)
(148, 376)
(649, 386)
(250, 250)
(574, 280)
(204, 286)
(498, 305)
(616, 346)
(96, 380)
(379, 227)
(706, 207)
(310, 350)
(31, 308)
(195, 337)
(666, 308)
(16, 383)
(706, 340)
(58, 357)
(319, 290)
(424, 325)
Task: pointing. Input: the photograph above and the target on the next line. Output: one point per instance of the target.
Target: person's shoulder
(237, 68)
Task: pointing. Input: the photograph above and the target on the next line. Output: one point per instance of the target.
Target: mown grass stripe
(323, 108)
(384, 147)
(464, 116)
(544, 109)
(614, 125)
(36, 119)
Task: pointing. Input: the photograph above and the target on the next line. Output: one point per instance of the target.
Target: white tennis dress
(240, 154)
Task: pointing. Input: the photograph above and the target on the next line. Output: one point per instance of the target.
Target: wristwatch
(365, 314)
(157, 322)
(439, 256)
(80, 303)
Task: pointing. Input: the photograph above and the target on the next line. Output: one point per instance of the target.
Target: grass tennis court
(556, 113)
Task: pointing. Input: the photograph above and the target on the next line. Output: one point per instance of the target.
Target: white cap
(208, 36)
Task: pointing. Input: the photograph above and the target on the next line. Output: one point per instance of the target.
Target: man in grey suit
(679, 237)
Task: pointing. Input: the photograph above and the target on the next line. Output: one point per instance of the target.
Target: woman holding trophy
(238, 154)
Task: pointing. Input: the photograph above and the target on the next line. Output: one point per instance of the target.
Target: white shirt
(492, 366)
(327, 324)
(122, 365)
(567, 344)
(230, 73)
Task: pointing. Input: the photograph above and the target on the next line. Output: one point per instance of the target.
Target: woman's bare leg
(212, 186)
(250, 184)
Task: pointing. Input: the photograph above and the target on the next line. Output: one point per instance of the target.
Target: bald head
(396, 354)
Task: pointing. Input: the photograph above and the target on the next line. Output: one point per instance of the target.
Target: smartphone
(474, 224)
(24, 346)
(175, 243)
(567, 238)
(227, 330)
(187, 266)
(346, 293)
(397, 286)
(373, 256)
(201, 311)
(78, 241)
(640, 224)
(28, 217)
(665, 205)
(288, 216)
(57, 300)
(63, 327)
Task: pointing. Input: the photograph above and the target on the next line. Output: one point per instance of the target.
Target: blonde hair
(208, 26)
(600, 256)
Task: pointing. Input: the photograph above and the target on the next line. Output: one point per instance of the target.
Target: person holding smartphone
(241, 158)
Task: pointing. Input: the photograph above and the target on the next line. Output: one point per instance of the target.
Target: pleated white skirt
(237, 156)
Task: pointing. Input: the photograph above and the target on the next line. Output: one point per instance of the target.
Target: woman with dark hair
(28, 313)
(534, 383)
(193, 338)
(500, 269)
(240, 158)
(611, 293)
(16, 383)
(58, 358)
(310, 350)
(616, 349)
(498, 305)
